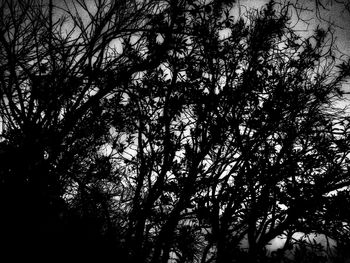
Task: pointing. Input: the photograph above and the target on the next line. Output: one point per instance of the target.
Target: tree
(58, 61)
(157, 130)
(249, 126)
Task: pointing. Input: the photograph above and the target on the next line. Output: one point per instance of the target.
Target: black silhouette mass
(172, 131)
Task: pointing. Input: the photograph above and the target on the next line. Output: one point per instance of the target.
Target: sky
(335, 13)
(340, 17)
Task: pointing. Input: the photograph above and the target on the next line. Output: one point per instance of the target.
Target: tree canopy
(149, 131)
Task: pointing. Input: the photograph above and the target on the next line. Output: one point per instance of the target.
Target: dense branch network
(158, 130)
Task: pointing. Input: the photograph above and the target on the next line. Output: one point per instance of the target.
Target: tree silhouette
(58, 63)
(151, 130)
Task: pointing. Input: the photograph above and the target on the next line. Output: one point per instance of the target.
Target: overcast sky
(336, 13)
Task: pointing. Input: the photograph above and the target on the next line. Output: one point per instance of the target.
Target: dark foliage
(146, 131)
